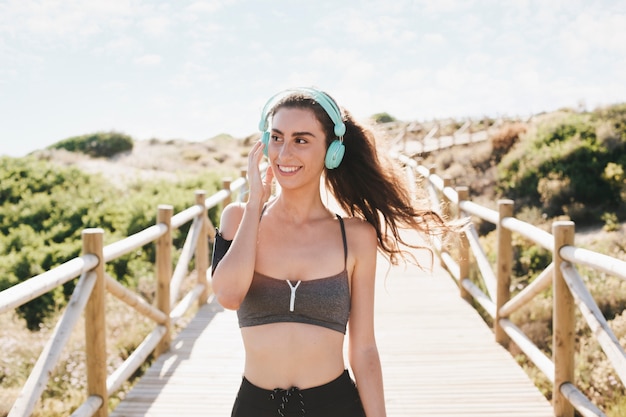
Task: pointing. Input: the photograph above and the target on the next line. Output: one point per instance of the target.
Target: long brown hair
(369, 186)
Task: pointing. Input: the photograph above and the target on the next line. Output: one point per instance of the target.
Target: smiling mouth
(288, 169)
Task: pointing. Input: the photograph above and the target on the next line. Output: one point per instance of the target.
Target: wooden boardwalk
(438, 356)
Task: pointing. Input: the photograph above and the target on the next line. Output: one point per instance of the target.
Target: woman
(297, 273)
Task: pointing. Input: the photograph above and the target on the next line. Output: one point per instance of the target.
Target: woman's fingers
(259, 186)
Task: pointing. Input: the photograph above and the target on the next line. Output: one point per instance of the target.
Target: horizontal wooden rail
(483, 299)
(559, 372)
(186, 254)
(529, 348)
(582, 404)
(596, 321)
(479, 211)
(89, 407)
(134, 361)
(185, 216)
(530, 232)
(489, 277)
(131, 243)
(133, 300)
(186, 302)
(88, 298)
(536, 287)
(595, 260)
(38, 378)
(28, 290)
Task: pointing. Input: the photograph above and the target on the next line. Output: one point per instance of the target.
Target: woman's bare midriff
(285, 355)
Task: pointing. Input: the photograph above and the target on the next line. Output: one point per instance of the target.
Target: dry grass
(66, 388)
(158, 159)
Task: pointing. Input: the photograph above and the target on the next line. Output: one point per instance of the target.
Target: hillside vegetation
(563, 165)
(559, 165)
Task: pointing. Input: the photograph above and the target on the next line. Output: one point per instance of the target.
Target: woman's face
(297, 146)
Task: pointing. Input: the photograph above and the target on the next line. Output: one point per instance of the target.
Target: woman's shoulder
(234, 208)
(230, 219)
(360, 232)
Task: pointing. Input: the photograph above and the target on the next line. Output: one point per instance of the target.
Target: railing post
(202, 249)
(446, 209)
(95, 324)
(564, 322)
(434, 197)
(464, 253)
(226, 186)
(243, 194)
(504, 265)
(164, 274)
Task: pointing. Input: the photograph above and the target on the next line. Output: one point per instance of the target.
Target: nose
(285, 150)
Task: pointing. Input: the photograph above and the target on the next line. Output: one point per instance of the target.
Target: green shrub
(611, 222)
(383, 118)
(100, 144)
(562, 167)
(45, 207)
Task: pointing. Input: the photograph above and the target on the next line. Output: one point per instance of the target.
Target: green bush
(564, 168)
(383, 118)
(100, 144)
(45, 207)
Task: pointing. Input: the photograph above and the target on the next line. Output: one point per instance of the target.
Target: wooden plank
(200, 374)
(439, 358)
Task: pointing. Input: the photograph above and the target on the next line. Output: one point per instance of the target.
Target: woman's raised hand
(260, 187)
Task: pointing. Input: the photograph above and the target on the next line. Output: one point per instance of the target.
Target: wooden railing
(89, 293)
(569, 289)
(402, 137)
(88, 296)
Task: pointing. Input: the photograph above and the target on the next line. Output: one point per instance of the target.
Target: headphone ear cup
(334, 154)
(265, 138)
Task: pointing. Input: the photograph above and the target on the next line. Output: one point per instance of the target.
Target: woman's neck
(298, 209)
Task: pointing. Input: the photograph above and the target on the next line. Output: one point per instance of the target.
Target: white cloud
(208, 6)
(443, 6)
(194, 75)
(596, 31)
(155, 26)
(382, 29)
(433, 39)
(120, 46)
(149, 60)
(63, 19)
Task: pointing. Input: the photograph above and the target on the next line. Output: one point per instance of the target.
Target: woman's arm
(240, 223)
(363, 353)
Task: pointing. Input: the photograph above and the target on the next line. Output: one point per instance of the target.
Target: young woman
(298, 274)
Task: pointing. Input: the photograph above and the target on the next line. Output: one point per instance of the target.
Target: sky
(194, 69)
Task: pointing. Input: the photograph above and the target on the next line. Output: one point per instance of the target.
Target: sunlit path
(439, 358)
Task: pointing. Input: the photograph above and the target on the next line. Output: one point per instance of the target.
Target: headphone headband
(327, 103)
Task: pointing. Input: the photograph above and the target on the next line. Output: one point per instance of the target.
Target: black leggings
(338, 398)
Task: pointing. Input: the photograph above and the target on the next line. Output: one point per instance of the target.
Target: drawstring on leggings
(285, 395)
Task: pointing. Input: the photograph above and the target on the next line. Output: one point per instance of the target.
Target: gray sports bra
(322, 302)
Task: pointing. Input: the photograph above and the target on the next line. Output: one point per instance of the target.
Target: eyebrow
(295, 133)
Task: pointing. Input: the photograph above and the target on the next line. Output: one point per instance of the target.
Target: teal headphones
(336, 150)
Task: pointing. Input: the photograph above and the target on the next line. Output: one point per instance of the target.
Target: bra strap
(345, 242)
